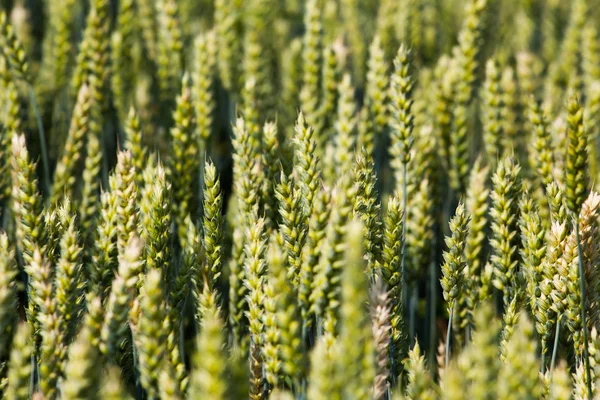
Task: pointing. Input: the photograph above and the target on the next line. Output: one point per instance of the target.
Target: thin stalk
(139, 393)
(411, 313)
(404, 208)
(555, 347)
(543, 356)
(42, 139)
(448, 333)
(34, 376)
(404, 293)
(432, 309)
(586, 354)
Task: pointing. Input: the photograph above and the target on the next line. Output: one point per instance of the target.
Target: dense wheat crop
(300, 199)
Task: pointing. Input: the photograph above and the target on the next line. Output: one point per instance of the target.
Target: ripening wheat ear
(401, 85)
(542, 159)
(492, 108)
(324, 381)
(576, 192)
(104, 253)
(82, 374)
(477, 207)
(420, 384)
(560, 387)
(205, 49)
(120, 299)
(212, 226)
(306, 164)
(123, 60)
(330, 79)
(326, 290)
(556, 202)
(290, 345)
(8, 293)
(533, 254)
(169, 57)
(357, 347)
(65, 175)
(367, 208)
(273, 165)
(156, 223)
(52, 350)
(576, 158)
(479, 362)
(504, 216)
(13, 49)
(149, 333)
(16, 57)
(19, 366)
(292, 225)
(377, 93)
(209, 365)
(183, 167)
(454, 264)
(519, 376)
(392, 275)
(27, 201)
(317, 228)
(381, 325)
(345, 126)
(255, 269)
(312, 62)
(134, 143)
(123, 185)
(466, 54)
(70, 278)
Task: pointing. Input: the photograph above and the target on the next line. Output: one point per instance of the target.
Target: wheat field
(300, 199)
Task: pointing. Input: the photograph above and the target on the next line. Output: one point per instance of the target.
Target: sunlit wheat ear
(8, 292)
(82, 375)
(210, 363)
(520, 370)
(149, 332)
(19, 365)
(376, 95)
(402, 85)
(454, 263)
(356, 341)
(420, 384)
(466, 53)
(477, 207)
(493, 102)
(368, 209)
(26, 199)
(312, 62)
(380, 316)
(575, 193)
(121, 297)
(504, 226)
(542, 158)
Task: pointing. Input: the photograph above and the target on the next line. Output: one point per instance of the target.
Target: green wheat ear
(504, 224)
(82, 373)
(19, 365)
(209, 371)
(357, 347)
(149, 333)
(8, 293)
(519, 374)
(576, 157)
(420, 384)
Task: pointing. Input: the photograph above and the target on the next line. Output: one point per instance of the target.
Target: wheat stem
(42, 138)
(586, 351)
